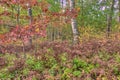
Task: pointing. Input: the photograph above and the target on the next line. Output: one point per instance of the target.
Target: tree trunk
(30, 23)
(82, 14)
(29, 41)
(17, 22)
(109, 24)
(74, 23)
(18, 14)
(119, 10)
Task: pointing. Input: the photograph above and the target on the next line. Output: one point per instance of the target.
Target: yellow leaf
(78, 9)
(37, 30)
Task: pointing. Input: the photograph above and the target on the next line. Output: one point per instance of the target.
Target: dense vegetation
(59, 40)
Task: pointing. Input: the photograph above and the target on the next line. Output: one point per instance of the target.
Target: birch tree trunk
(74, 23)
(109, 24)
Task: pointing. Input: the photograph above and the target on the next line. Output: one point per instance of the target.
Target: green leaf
(77, 73)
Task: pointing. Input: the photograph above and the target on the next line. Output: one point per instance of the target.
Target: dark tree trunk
(30, 23)
(29, 42)
(18, 14)
(119, 10)
(82, 14)
(109, 24)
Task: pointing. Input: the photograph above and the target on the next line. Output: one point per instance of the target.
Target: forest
(59, 39)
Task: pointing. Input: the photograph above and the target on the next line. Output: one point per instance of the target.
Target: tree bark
(29, 41)
(74, 23)
(30, 23)
(109, 24)
(18, 14)
(119, 10)
(82, 15)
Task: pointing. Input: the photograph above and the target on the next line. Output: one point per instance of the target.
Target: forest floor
(94, 59)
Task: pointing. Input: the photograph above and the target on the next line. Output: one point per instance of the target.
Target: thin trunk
(12, 12)
(119, 10)
(55, 33)
(109, 24)
(48, 33)
(24, 50)
(29, 42)
(30, 15)
(18, 14)
(17, 22)
(82, 14)
(62, 19)
(74, 23)
(30, 23)
(52, 31)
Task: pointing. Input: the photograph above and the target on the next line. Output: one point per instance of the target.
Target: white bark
(74, 30)
(74, 23)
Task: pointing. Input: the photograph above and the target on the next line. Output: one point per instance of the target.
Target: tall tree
(30, 22)
(119, 10)
(74, 23)
(109, 24)
(18, 14)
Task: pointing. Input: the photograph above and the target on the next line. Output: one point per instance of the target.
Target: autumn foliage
(38, 26)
